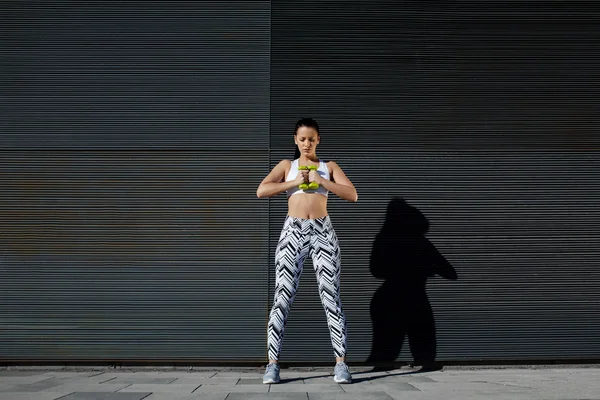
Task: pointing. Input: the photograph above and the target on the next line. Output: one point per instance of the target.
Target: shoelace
(343, 367)
(271, 366)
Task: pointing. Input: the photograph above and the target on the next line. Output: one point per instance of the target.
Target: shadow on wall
(404, 258)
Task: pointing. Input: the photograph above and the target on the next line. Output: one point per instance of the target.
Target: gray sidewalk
(571, 382)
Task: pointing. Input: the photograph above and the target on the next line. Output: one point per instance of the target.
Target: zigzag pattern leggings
(301, 238)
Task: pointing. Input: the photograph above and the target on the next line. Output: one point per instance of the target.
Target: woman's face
(307, 140)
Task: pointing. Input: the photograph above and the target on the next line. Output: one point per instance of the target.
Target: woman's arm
(272, 185)
(339, 183)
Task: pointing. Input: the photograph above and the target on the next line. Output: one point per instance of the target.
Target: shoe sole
(342, 380)
(270, 381)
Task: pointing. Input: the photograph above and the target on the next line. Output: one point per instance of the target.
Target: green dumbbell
(311, 185)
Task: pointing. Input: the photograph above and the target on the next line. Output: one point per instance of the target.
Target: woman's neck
(309, 159)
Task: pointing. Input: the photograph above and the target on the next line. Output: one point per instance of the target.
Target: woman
(307, 231)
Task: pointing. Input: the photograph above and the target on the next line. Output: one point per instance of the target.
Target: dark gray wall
(483, 117)
(133, 136)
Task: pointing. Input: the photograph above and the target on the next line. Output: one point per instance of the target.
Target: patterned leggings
(301, 238)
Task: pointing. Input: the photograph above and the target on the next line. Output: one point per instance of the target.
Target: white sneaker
(342, 373)
(271, 374)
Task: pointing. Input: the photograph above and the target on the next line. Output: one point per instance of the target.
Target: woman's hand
(301, 178)
(313, 176)
(275, 182)
(339, 183)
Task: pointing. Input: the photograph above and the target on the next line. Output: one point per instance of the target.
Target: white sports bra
(323, 172)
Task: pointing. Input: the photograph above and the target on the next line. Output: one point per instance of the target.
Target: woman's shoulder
(285, 166)
(331, 164)
(285, 163)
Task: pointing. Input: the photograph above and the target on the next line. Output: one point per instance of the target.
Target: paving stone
(270, 396)
(31, 396)
(319, 381)
(400, 378)
(92, 387)
(491, 384)
(91, 378)
(302, 374)
(398, 386)
(104, 396)
(139, 374)
(250, 382)
(295, 387)
(210, 381)
(349, 396)
(155, 388)
(23, 380)
(142, 379)
(395, 395)
(127, 396)
(73, 375)
(232, 389)
(202, 396)
(18, 373)
(188, 374)
(243, 375)
(37, 386)
(287, 381)
(368, 374)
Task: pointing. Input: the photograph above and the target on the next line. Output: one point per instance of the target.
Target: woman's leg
(325, 253)
(290, 253)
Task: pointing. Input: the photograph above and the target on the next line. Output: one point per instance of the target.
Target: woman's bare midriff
(307, 206)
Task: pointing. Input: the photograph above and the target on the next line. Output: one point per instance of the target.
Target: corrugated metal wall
(133, 136)
(483, 118)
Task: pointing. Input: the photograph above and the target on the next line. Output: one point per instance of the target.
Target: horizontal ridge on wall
(135, 75)
(445, 76)
(132, 256)
(468, 129)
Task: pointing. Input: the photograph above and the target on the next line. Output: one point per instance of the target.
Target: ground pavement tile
(23, 380)
(267, 396)
(232, 389)
(105, 396)
(16, 373)
(245, 381)
(97, 378)
(284, 380)
(188, 374)
(458, 393)
(157, 388)
(31, 396)
(207, 381)
(74, 375)
(142, 379)
(201, 396)
(380, 387)
(313, 381)
(88, 387)
(375, 395)
(299, 387)
(452, 396)
(241, 375)
(34, 387)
